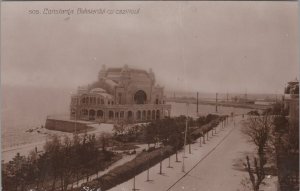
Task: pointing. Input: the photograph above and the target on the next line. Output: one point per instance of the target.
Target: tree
(15, 173)
(77, 165)
(66, 170)
(210, 117)
(258, 129)
(200, 121)
(150, 133)
(43, 168)
(258, 171)
(176, 140)
(104, 139)
(53, 151)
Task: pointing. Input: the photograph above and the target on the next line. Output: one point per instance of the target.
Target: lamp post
(148, 175)
(216, 102)
(169, 166)
(186, 126)
(207, 134)
(200, 141)
(134, 189)
(160, 164)
(75, 102)
(76, 117)
(197, 104)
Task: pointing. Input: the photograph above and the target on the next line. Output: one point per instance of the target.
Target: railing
(127, 106)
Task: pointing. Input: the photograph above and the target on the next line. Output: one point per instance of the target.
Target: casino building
(120, 95)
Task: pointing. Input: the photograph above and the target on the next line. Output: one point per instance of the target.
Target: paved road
(216, 172)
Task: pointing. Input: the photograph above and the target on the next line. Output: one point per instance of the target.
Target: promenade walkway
(209, 167)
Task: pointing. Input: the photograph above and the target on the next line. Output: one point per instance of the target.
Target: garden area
(65, 161)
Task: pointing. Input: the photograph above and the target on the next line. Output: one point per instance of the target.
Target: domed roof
(98, 90)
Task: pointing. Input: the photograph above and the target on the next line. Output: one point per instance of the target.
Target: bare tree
(258, 170)
(258, 129)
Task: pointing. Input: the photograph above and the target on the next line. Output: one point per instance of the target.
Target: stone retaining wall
(66, 126)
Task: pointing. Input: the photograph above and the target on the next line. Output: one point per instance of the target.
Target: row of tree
(171, 131)
(63, 162)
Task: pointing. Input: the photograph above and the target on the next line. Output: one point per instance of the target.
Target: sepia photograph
(149, 96)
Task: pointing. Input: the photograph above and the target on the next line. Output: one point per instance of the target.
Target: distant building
(120, 94)
(291, 101)
(243, 100)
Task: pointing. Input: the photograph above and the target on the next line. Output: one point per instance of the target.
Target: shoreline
(24, 149)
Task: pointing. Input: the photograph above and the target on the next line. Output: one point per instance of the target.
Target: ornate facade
(120, 95)
(291, 101)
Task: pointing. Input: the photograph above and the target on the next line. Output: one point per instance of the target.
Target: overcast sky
(194, 46)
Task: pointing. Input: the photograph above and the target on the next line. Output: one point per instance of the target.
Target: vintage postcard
(141, 95)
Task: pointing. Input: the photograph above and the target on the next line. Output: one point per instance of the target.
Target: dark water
(28, 107)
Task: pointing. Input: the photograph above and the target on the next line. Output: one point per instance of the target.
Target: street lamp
(134, 188)
(160, 164)
(76, 110)
(186, 125)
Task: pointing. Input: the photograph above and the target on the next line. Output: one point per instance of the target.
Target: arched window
(153, 114)
(157, 114)
(129, 115)
(140, 97)
(144, 115)
(100, 113)
(92, 114)
(111, 114)
(121, 114)
(138, 115)
(148, 115)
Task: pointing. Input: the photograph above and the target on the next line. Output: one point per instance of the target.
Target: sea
(27, 108)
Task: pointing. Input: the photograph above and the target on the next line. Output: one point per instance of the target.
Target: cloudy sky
(191, 46)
